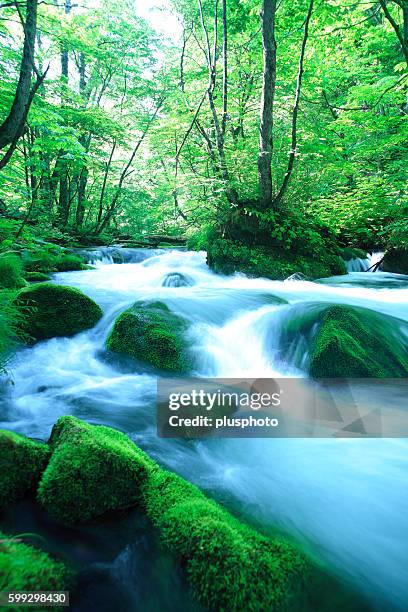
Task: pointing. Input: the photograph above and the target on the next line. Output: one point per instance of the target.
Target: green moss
(227, 257)
(36, 277)
(53, 310)
(395, 260)
(356, 342)
(67, 262)
(149, 331)
(349, 253)
(93, 469)
(11, 271)
(22, 462)
(25, 568)
(229, 565)
(9, 319)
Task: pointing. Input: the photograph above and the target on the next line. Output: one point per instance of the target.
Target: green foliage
(22, 462)
(25, 568)
(53, 310)
(10, 271)
(9, 327)
(93, 469)
(150, 332)
(355, 342)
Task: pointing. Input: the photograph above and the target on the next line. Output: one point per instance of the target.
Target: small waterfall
(117, 254)
(364, 265)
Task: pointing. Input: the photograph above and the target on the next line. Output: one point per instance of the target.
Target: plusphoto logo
(211, 400)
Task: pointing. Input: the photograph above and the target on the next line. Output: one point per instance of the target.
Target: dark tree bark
(23, 96)
(400, 31)
(64, 200)
(268, 96)
(279, 196)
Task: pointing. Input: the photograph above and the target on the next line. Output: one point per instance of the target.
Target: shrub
(11, 271)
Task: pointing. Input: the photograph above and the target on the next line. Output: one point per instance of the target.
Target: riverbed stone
(151, 332)
(357, 342)
(93, 470)
(227, 257)
(22, 462)
(26, 568)
(50, 311)
(395, 260)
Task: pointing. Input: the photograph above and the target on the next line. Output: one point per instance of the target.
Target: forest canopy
(110, 129)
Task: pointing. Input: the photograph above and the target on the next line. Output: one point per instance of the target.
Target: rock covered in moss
(36, 277)
(93, 469)
(150, 332)
(25, 568)
(357, 342)
(54, 310)
(226, 257)
(11, 269)
(229, 565)
(22, 462)
(395, 260)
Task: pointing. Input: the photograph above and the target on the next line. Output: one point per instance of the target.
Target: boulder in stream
(395, 260)
(22, 462)
(50, 311)
(358, 343)
(150, 332)
(229, 565)
(93, 470)
(26, 568)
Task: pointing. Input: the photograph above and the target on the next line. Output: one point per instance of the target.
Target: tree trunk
(19, 109)
(268, 96)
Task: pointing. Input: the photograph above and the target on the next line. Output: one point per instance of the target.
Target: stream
(345, 499)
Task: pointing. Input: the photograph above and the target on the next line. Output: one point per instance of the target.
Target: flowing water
(346, 499)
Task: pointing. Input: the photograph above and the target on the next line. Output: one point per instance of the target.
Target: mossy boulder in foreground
(54, 310)
(229, 565)
(357, 342)
(22, 462)
(93, 469)
(25, 568)
(150, 332)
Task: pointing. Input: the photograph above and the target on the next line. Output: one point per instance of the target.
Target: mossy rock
(395, 260)
(226, 257)
(93, 470)
(229, 565)
(22, 462)
(54, 310)
(26, 568)
(11, 269)
(358, 343)
(37, 277)
(150, 332)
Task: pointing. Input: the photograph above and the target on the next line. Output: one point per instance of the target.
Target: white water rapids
(347, 499)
